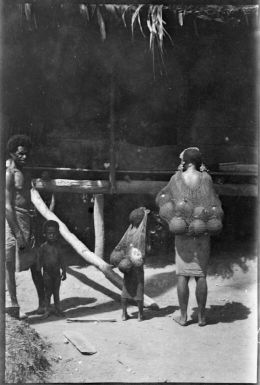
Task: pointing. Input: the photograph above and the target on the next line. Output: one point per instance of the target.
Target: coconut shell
(125, 265)
(116, 257)
(163, 198)
(197, 227)
(214, 226)
(136, 257)
(216, 212)
(178, 225)
(200, 213)
(136, 216)
(184, 208)
(167, 211)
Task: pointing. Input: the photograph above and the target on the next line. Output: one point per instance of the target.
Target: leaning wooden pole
(99, 225)
(82, 249)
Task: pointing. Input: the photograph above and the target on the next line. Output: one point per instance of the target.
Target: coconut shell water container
(116, 257)
(214, 226)
(200, 212)
(216, 212)
(197, 227)
(163, 198)
(167, 211)
(178, 225)
(136, 257)
(125, 265)
(184, 208)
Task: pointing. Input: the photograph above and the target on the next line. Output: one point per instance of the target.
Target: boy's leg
(39, 285)
(125, 316)
(201, 296)
(48, 292)
(56, 295)
(183, 297)
(140, 305)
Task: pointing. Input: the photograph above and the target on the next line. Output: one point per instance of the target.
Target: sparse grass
(25, 360)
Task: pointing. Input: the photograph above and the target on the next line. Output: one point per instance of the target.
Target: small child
(133, 282)
(50, 259)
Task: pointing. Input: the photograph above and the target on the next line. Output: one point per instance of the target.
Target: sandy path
(158, 349)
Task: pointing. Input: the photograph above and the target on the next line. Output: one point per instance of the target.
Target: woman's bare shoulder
(206, 176)
(176, 175)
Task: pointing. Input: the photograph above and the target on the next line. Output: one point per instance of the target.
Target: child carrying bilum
(133, 282)
(51, 261)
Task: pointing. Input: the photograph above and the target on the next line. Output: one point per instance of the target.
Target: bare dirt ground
(157, 349)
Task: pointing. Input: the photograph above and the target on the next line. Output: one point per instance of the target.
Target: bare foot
(40, 310)
(181, 321)
(46, 314)
(202, 320)
(125, 317)
(58, 313)
(22, 316)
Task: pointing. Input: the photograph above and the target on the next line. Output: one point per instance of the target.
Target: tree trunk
(82, 249)
(99, 224)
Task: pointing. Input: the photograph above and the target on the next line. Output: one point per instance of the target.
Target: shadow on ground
(77, 312)
(71, 303)
(163, 312)
(230, 312)
(94, 285)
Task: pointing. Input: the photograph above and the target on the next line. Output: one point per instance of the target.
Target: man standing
(19, 236)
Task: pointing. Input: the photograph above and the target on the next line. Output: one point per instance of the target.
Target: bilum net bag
(132, 244)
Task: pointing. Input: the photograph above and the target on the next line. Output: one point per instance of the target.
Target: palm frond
(135, 15)
(101, 24)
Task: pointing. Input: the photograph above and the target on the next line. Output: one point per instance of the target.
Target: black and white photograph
(129, 191)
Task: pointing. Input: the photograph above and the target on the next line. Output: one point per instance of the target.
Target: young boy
(133, 282)
(50, 259)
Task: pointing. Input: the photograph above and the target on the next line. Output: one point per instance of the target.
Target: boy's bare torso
(51, 258)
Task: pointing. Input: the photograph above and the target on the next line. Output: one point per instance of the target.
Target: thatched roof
(147, 16)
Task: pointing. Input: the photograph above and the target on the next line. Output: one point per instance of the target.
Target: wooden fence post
(99, 225)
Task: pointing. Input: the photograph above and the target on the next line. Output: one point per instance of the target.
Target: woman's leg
(183, 297)
(140, 304)
(201, 296)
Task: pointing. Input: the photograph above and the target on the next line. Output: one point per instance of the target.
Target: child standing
(133, 282)
(51, 260)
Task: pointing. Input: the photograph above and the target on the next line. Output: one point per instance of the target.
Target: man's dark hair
(50, 223)
(18, 140)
